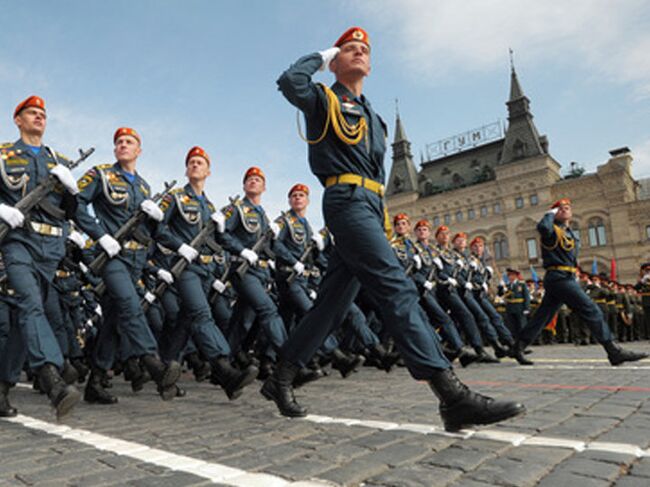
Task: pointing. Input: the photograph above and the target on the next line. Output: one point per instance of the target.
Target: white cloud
(641, 164)
(438, 38)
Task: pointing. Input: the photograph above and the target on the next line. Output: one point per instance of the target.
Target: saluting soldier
(116, 192)
(31, 251)
(346, 154)
(186, 212)
(559, 254)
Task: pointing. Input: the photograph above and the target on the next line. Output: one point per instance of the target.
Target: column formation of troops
(101, 277)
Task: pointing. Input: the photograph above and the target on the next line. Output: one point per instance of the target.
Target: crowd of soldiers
(101, 277)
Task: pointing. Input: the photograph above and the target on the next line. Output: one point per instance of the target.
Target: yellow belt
(47, 229)
(349, 178)
(620, 306)
(600, 301)
(206, 259)
(564, 268)
(611, 303)
(263, 264)
(518, 300)
(132, 245)
(62, 274)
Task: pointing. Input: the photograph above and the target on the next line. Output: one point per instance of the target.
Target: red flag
(612, 270)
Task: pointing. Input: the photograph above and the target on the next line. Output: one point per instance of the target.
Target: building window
(575, 228)
(647, 232)
(483, 211)
(447, 219)
(534, 200)
(531, 245)
(500, 247)
(497, 208)
(459, 216)
(597, 235)
(471, 214)
(436, 221)
(519, 202)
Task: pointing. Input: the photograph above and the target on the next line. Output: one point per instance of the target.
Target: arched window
(647, 232)
(597, 234)
(575, 228)
(501, 247)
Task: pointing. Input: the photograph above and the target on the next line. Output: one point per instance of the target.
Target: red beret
(459, 235)
(353, 34)
(126, 131)
(254, 171)
(197, 151)
(400, 216)
(423, 223)
(476, 240)
(442, 228)
(560, 202)
(32, 101)
(299, 187)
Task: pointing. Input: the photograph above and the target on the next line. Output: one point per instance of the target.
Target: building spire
(515, 88)
(403, 176)
(400, 134)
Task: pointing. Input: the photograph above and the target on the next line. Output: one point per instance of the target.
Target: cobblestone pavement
(588, 424)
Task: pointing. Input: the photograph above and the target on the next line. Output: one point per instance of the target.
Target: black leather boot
(346, 364)
(69, 374)
(135, 374)
(266, 368)
(386, 360)
(306, 375)
(518, 354)
(617, 355)
(467, 357)
(278, 388)
(484, 357)
(499, 350)
(6, 410)
(461, 408)
(63, 396)
(95, 392)
(232, 380)
(165, 377)
(82, 369)
(200, 369)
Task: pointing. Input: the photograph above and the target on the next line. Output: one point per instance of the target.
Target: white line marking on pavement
(514, 438)
(211, 471)
(586, 367)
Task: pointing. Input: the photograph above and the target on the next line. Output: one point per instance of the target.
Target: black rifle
(262, 245)
(303, 258)
(201, 238)
(126, 230)
(40, 192)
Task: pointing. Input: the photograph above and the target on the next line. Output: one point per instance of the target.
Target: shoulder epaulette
(104, 166)
(6, 145)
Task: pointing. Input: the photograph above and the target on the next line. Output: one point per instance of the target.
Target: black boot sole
(9, 413)
(621, 360)
(238, 389)
(67, 403)
(508, 414)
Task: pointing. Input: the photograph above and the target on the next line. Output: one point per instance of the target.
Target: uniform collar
(342, 90)
(257, 207)
(24, 148)
(119, 169)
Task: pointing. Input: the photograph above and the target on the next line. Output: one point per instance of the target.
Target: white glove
(437, 261)
(553, 211)
(275, 228)
(83, 267)
(460, 263)
(98, 310)
(328, 55)
(527, 312)
(489, 270)
(187, 252)
(165, 275)
(453, 282)
(152, 210)
(220, 220)
(428, 285)
(249, 255)
(468, 286)
(271, 263)
(299, 267)
(149, 297)
(218, 286)
(418, 262)
(646, 278)
(485, 287)
(473, 264)
(313, 295)
(66, 178)
(319, 241)
(111, 246)
(77, 239)
(12, 216)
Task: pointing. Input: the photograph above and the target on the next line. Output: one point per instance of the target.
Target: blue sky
(203, 72)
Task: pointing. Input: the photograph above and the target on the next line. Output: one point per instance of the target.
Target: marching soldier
(186, 211)
(517, 300)
(31, 252)
(116, 192)
(347, 157)
(559, 253)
